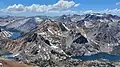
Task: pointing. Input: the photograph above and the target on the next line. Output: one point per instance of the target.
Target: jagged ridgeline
(62, 41)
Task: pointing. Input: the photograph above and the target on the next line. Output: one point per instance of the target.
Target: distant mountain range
(45, 40)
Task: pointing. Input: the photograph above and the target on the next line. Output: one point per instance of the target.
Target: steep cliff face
(48, 42)
(52, 43)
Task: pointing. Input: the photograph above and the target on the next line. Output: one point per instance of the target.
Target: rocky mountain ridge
(52, 41)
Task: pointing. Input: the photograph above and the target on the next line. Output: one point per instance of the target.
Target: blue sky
(50, 7)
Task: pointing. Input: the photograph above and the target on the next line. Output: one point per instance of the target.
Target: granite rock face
(51, 42)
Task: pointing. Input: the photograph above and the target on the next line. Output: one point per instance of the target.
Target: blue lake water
(14, 58)
(10, 56)
(7, 53)
(100, 55)
(15, 35)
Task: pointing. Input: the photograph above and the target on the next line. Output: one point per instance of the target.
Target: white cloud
(118, 3)
(70, 12)
(60, 5)
(15, 7)
(112, 11)
(64, 4)
(58, 12)
(107, 11)
(88, 11)
(76, 5)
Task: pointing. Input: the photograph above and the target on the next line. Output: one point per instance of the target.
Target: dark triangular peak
(80, 39)
(0, 30)
(35, 38)
(63, 27)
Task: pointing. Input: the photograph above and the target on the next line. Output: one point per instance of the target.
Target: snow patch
(65, 26)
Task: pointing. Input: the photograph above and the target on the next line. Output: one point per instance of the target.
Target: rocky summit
(46, 41)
